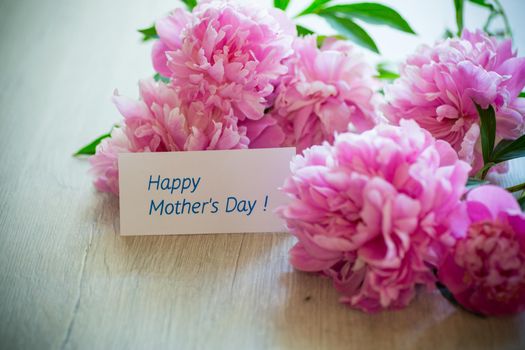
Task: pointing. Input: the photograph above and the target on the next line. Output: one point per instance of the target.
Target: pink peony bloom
(228, 56)
(486, 270)
(439, 83)
(169, 30)
(159, 123)
(323, 92)
(225, 54)
(104, 164)
(375, 210)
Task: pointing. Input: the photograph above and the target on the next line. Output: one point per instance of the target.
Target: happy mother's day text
(188, 186)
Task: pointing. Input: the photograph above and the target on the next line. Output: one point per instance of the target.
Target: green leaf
(521, 201)
(371, 13)
(516, 188)
(509, 149)
(313, 7)
(302, 31)
(322, 38)
(522, 94)
(487, 119)
(384, 73)
(458, 5)
(351, 30)
(483, 3)
(473, 182)
(149, 33)
(483, 171)
(190, 4)
(91, 147)
(281, 4)
(448, 34)
(159, 77)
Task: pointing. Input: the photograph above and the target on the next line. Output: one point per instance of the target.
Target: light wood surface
(68, 281)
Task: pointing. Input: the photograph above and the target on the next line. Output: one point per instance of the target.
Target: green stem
(483, 171)
(508, 30)
(516, 188)
(486, 27)
(458, 4)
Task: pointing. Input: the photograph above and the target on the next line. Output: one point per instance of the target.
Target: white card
(202, 192)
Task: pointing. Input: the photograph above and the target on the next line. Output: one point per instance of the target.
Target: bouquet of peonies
(390, 188)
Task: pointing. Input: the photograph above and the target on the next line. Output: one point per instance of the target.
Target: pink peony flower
(439, 83)
(159, 123)
(228, 56)
(170, 32)
(225, 54)
(486, 270)
(374, 211)
(323, 92)
(104, 164)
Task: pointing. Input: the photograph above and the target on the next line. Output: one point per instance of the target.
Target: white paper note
(202, 192)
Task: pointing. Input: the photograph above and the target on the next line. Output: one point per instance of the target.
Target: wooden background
(68, 281)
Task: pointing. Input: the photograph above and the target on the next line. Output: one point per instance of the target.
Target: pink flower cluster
(159, 123)
(486, 270)
(239, 77)
(222, 61)
(325, 91)
(439, 85)
(224, 54)
(374, 211)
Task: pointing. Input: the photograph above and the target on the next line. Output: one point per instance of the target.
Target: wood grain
(68, 281)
